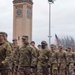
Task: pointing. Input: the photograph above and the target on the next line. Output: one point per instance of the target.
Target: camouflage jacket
(36, 56)
(53, 57)
(74, 56)
(61, 56)
(15, 55)
(44, 57)
(69, 57)
(5, 51)
(27, 56)
(14, 47)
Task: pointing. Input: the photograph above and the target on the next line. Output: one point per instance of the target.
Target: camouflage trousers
(74, 68)
(42, 70)
(27, 71)
(62, 69)
(34, 71)
(24, 71)
(15, 70)
(4, 71)
(71, 69)
(54, 69)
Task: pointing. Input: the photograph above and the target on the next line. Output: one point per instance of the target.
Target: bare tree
(67, 42)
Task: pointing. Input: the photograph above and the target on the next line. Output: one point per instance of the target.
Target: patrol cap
(24, 37)
(5, 34)
(14, 40)
(44, 42)
(1, 33)
(32, 42)
(38, 45)
(52, 45)
(68, 47)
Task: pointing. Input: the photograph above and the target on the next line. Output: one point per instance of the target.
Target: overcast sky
(62, 19)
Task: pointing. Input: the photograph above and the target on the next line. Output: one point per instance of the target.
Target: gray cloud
(62, 19)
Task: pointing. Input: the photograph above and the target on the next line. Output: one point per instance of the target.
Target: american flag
(57, 40)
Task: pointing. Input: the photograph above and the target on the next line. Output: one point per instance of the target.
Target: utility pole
(50, 2)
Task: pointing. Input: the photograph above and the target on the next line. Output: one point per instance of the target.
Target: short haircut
(32, 42)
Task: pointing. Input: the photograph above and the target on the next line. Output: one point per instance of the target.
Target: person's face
(24, 41)
(60, 48)
(68, 49)
(5, 37)
(43, 45)
(55, 47)
(1, 37)
(33, 44)
(15, 42)
(39, 47)
(52, 48)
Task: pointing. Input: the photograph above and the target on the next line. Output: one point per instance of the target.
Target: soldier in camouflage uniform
(69, 61)
(74, 61)
(5, 51)
(5, 35)
(14, 44)
(15, 57)
(61, 60)
(39, 47)
(54, 69)
(54, 47)
(36, 54)
(27, 58)
(43, 60)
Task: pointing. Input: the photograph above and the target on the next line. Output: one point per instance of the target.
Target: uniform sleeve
(21, 51)
(8, 54)
(33, 57)
(16, 56)
(56, 54)
(73, 56)
(49, 56)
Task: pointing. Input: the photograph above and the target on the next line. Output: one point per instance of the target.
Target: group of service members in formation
(29, 60)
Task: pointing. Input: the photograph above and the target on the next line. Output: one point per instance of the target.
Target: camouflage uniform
(74, 61)
(43, 61)
(5, 38)
(5, 51)
(14, 46)
(54, 69)
(36, 56)
(61, 60)
(69, 62)
(15, 55)
(27, 59)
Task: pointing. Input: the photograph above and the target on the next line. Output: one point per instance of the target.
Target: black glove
(74, 70)
(67, 65)
(34, 66)
(74, 64)
(48, 66)
(1, 65)
(16, 66)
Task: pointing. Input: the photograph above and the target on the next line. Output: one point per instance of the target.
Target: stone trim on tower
(19, 1)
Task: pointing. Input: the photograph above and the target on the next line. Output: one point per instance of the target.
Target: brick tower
(22, 19)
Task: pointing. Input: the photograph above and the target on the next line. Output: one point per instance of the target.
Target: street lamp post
(50, 2)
